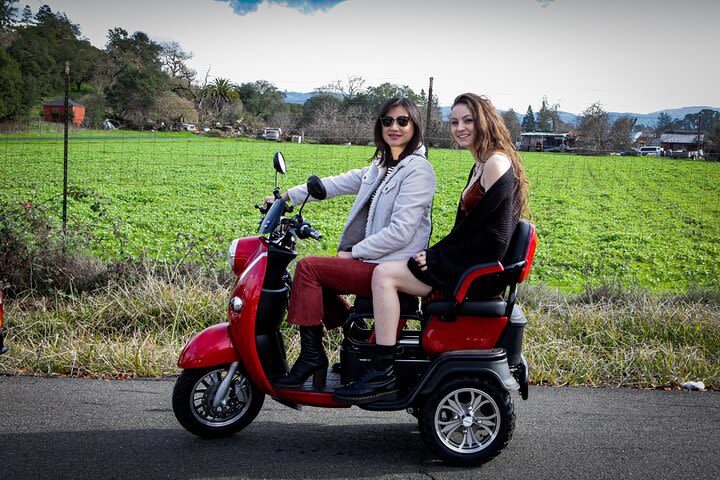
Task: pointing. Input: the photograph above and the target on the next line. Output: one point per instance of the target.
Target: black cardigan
(481, 236)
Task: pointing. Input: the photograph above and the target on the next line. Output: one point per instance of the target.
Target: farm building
(644, 138)
(54, 110)
(546, 142)
(679, 143)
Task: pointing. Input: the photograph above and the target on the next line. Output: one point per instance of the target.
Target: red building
(54, 111)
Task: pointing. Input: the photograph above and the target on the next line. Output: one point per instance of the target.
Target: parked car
(189, 127)
(273, 134)
(648, 151)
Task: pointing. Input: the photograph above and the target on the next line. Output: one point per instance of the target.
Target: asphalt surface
(78, 428)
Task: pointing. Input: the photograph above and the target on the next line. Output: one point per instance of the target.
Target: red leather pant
(318, 284)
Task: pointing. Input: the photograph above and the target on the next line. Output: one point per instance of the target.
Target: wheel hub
(467, 421)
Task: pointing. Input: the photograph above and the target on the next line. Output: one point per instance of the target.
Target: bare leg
(388, 279)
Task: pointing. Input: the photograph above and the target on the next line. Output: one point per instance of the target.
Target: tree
(665, 122)
(8, 14)
(169, 108)
(374, 97)
(11, 81)
(27, 15)
(316, 103)
(326, 122)
(354, 86)
(707, 116)
(182, 77)
(713, 138)
(222, 89)
(620, 136)
(43, 14)
(558, 125)
(512, 124)
(528, 123)
(594, 127)
(133, 95)
(544, 118)
(220, 101)
(34, 54)
(286, 120)
(261, 98)
(133, 51)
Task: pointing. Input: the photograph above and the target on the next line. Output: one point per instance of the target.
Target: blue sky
(630, 55)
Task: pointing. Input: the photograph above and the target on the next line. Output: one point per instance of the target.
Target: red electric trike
(458, 357)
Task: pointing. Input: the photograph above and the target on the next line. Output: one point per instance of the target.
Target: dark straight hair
(381, 147)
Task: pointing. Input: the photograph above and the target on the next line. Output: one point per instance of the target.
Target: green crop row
(648, 222)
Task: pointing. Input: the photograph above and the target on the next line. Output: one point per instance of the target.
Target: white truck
(273, 134)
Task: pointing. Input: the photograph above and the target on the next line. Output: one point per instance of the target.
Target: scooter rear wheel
(468, 421)
(193, 397)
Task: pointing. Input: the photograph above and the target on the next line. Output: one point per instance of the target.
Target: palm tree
(222, 89)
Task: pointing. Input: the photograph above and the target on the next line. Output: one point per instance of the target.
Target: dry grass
(604, 337)
(612, 338)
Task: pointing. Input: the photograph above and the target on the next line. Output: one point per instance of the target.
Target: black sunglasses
(402, 121)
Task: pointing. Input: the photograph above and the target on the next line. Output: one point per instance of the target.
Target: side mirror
(316, 188)
(279, 162)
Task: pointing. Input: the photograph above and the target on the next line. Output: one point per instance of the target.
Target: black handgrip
(262, 209)
(306, 231)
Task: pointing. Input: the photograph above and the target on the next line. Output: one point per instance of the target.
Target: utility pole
(699, 130)
(429, 109)
(65, 156)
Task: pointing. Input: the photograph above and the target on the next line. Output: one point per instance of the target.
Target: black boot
(376, 383)
(312, 361)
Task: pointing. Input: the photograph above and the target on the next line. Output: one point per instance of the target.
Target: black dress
(480, 236)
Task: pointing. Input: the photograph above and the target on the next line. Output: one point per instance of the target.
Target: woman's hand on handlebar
(421, 260)
(269, 200)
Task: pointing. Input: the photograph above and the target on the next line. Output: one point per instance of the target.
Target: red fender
(208, 348)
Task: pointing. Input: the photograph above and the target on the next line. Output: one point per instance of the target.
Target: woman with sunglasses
(389, 220)
(489, 209)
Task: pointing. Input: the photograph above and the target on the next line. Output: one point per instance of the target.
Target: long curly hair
(492, 136)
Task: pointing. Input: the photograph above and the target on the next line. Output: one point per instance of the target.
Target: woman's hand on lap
(421, 260)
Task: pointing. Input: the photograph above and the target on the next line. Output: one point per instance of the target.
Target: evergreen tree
(8, 14)
(544, 118)
(528, 123)
(11, 80)
(512, 124)
(44, 14)
(27, 15)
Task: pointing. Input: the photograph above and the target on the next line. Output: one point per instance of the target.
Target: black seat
(487, 308)
(481, 288)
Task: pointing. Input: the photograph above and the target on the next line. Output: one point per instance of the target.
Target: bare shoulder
(495, 167)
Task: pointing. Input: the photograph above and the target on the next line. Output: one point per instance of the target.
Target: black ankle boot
(376, 383)
(312, 361)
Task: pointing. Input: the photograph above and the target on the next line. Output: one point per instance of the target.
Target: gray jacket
(398, 221)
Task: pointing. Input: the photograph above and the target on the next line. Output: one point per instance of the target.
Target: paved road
(76, 428)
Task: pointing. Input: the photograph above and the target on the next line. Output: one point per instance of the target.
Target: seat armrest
(472, 274)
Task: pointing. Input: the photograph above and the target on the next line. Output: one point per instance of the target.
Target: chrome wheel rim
(236, 403)
(467, 420)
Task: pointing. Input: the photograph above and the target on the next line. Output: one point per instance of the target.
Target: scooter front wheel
(197, 409)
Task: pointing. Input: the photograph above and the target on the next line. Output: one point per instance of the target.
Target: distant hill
(571, 118)
(297, 97)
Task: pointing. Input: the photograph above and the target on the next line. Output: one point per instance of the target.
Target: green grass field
(647, 222)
